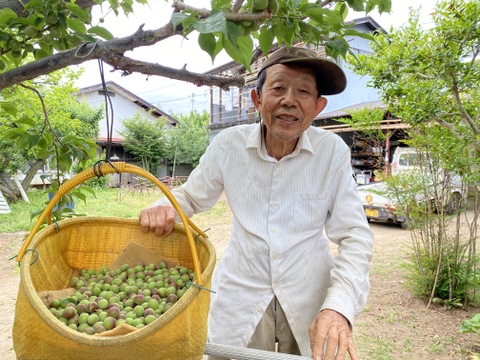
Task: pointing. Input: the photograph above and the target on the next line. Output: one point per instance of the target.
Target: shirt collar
(255, 141)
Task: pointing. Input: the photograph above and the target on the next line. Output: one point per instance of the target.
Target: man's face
(288, 103)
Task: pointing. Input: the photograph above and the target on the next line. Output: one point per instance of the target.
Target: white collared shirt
(284, 213)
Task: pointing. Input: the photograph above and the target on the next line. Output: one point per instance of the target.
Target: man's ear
(321, 103)
(255, 98)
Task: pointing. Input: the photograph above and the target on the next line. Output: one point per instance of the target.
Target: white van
(378, 207)
(404, 158)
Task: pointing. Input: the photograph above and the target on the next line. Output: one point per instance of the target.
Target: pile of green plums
(135, 295)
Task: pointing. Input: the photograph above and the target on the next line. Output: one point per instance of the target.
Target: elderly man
(290, 188)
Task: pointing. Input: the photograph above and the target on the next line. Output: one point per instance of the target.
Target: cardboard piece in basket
(135, 253)
(48, 296)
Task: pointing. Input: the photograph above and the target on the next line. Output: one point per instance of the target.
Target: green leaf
(13, 134)
(337, 46)
(42, 143)
(208, 44)
(363, 35)
(216, 22)
(86, 38)
(266, 38)
(283, 32)
(370, 5)
(233, 31)
(245, 44)
(311, 33)
(40, 53)
(6, 16)
(64, 162)
(356, 5)
(334, 20)
(232, 50)
(22, 143)
(342, 9)
(9, 107)
(48, 138)
(25, 120)
(78, 11)
(76, 25)
(178, 18)
(79, 195)
(317, 14)
(101, 31)
(38, 4)
(33, 140)
(384, 6)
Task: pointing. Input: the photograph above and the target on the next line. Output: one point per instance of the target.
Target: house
(122, 104)
(233, 107)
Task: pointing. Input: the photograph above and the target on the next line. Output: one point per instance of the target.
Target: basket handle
(110, 168)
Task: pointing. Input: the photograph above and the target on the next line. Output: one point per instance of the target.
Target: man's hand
(331, 337)
(159, 219)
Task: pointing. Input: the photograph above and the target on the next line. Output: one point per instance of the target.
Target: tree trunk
(34, 167)
(8, 188)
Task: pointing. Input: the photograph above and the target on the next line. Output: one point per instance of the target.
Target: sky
(175, 96)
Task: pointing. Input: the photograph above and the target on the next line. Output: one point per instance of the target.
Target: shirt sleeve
(348, 227)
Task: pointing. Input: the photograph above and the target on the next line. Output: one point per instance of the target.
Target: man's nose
(289, 97)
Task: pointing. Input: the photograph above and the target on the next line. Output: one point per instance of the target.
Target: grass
(107, 202)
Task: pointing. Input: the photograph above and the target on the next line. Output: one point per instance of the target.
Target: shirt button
(275, 284)
(274, 230)
(275, 256)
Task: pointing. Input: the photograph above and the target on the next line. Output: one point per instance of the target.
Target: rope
(88, 53)
(200, 287)
(97, 168)
(109, 116)
(34, 259)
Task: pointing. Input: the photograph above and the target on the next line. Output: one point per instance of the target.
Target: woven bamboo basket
(49, 257)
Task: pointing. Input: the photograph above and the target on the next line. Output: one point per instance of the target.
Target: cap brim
(332, 77)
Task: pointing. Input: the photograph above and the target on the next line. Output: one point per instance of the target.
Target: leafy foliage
(46, 117)
(189, 139)
(442, 264)
(145, 140)
(42, 28)
(430, 77)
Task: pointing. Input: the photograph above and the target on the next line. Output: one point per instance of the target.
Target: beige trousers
(272, 333)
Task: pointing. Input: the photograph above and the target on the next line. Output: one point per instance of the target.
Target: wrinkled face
(288, 103)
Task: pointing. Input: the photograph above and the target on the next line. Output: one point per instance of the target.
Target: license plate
(371, 213)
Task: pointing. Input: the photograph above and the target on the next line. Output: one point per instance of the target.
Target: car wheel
(404, 225)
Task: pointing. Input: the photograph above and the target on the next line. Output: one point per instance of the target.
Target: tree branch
(112, 53)
(454, 131)
(465, 116)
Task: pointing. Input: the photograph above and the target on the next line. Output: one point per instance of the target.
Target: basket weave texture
(92, 242)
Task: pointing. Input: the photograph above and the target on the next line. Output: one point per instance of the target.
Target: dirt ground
(394, 325)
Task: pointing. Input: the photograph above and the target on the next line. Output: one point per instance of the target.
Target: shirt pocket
(310, 212)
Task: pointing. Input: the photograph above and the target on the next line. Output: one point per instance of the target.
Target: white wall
(123, 108)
